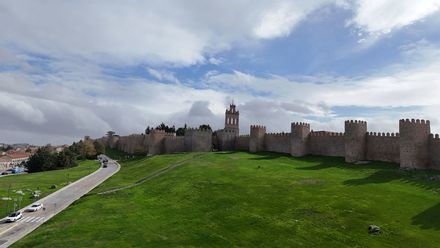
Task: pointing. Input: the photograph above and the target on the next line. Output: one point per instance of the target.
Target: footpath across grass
(252, 200)
(21, 186)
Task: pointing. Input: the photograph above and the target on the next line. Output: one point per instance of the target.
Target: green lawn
(27, 183)
(252, 200)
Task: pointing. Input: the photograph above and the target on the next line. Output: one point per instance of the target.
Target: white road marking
(24, 219)
(38, 219)
(30, 219)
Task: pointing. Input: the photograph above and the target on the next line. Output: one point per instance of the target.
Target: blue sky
(69, 69)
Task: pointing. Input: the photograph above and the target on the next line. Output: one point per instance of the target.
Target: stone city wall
(243, 143)
(198, 140)
(327, 144)
(383, 147)
(226, 140)
(414, 147)
(277, 142)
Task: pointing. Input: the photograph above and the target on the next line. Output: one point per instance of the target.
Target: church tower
(231, 119)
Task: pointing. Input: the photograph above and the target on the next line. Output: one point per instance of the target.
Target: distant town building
(13, 159)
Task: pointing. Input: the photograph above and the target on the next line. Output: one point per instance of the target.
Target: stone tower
(299, 139)
(355, 140)
(414, 143)
(231, 119)
(256, 139)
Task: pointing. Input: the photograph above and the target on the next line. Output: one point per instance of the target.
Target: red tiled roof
(18, 155)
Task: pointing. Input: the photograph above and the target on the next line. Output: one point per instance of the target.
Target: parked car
(17, 170)
(5, 173)
(14, 217)
(35, 207)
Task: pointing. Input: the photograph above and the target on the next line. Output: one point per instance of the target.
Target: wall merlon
(325, 133)
(355, 122)
(414, 122)
(435, 137)
(278, 134)
(375, 134)
(304, 124)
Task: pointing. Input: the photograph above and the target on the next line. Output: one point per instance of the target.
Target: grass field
(27, 183)
(252, 200)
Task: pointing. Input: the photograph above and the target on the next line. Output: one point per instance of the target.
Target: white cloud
(163, 75)
(176, 33)
(383, 16)
(16, 107)
(279, 19)
(71, 96)
(155, 32)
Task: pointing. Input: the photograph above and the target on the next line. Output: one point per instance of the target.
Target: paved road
(54, 203)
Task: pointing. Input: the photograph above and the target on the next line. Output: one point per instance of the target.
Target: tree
(89, 149)
(205, 127)
(110, 133)
(180, 131)
(99, 147)
(42, 160)
(147, 130)
(66, 159)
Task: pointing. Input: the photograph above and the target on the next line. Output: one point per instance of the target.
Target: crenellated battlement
(170, 135)
(227, 131)
(198, 130)
(278, 134)
(414, 122)
(375, 134)
(258, 127)
(325, 133)
(434, 137)
(304, 124)
(355, 123)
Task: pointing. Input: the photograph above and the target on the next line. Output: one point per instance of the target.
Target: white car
(14, 217)
(35, 207)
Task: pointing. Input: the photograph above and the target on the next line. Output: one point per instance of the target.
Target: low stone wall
(277, 142)
(327, 144)
(383, 147)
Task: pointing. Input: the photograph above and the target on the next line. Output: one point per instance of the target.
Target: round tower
(256, 140)
(414, 143)
(355, 140)
(299, 139)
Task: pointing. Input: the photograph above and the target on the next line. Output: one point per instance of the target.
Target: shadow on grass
(428, 219)
(380, 176)
(381, 172)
